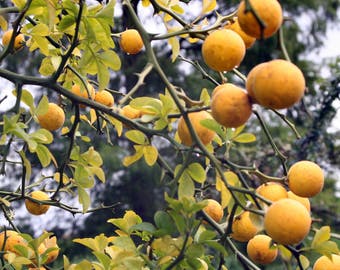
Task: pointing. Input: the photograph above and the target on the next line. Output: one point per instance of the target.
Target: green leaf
(129, 220)
(144, 226)
(304, 262)
(111, 59)
(164, 223)
(106, 14)
(104, 259)
(82, 177)
(103, 75)
(206, 235)
(19, 3)
(321, 235)
(136, 136)
(98, 172)
(327, 248)
(26, 98)
(84, 199)
(43, 154)
(42, 136)
(197, 172)
(92, 157)
(186, 187)
(214, 126)
(245, 138)
(150, 154)
(217, 246)
(42, 107)
(27, 165)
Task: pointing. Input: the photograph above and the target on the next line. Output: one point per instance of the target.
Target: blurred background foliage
(142, 188)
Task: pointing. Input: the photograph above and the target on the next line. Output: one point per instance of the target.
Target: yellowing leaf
(136, 136)
(225, 194)
(245, 138)
(175, 47)
(145, 3)
(321, 235)
(3, 23)
(150, 154)
(127, 161)
(208, 6)
(197, 172)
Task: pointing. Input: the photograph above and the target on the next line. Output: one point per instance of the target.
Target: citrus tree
(218, 206)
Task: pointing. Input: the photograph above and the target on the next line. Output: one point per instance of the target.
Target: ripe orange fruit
(131, 42)
(214, 210)
(270, 13)
(12, 239)
(19, 40)
(130, 112)
(304, 201)
(272, 191)
(235, 26)
(230, 105)
(82, 92)
(305, 178)
(204, 134)
(324, 263)
(223, 50)
(104, 97)
(260, 250)
(287, 222)
(243, 228)
(277, 84)
(53, 119)
(34, 207)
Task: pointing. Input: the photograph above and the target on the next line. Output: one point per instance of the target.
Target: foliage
(75, 43)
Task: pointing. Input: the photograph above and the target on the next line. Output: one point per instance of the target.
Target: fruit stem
(283, 45)
(290, 124)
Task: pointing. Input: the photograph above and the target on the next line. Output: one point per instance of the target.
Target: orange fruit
(82, 92)
(53, 119)
(223, 50)
(12, 239)
(131, 42)
(272, 191)
(287, 222)
(104, 97)
(204, 134)
(34, 207)
(260, 250)
(277, 84)
(304, 201)
(230, 105)
(243, 228)
(214, 210)
(305, 178)
(19, 40)
(269, 12)
(235, 26)
(130, 112)
(324, 263)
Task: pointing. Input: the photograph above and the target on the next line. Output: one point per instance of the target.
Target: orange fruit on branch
(304, 201)
(214, 210)
(272, 191)
(53, 119)
(204, 134)
(19, 40)
(131, 42)
(230, 105)
(243, 229)
(325, 263)
(9, 239)
(287, 222)
(36, 208)
(277, 84)
(305, 178)
(104, 97)
(223, 50)
(260, 250)
(235, 26)
(269, 12)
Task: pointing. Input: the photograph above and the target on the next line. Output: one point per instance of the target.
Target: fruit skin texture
(36, 208)
(287, 222)
(12, 239)
(270, 13)
(230, 105)
(131, 42)
(235, 26)
(272, 191)
(214, 210)
(304, 201)
(260, 251)
(18, 41)
(53, 119)
(243, 228)
(324, 263)
(104, 97)
(250, 81)
(204, 134)
(77, 90)
(305, 178)
(278, 84)
(223, 50)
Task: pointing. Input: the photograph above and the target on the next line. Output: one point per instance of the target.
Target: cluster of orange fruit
(305, 180)
(10, 241)
(276, 84)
